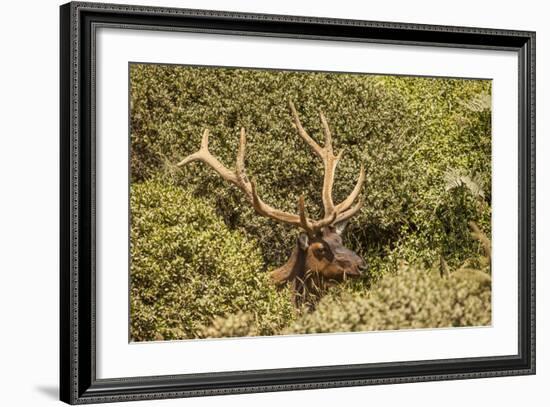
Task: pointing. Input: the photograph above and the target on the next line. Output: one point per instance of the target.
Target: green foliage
(407, 131)
(199, 251)
(235, 325)
(410, 299)
(464, 200)
(188, 268)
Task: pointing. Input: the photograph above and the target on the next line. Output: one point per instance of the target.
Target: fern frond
(479, 103)
(455, 179)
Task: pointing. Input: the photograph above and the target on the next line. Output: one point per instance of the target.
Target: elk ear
(340, 227)
(303, 241)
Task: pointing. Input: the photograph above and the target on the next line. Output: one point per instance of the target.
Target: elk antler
(240, 179)
(342, 210)
(333, 214)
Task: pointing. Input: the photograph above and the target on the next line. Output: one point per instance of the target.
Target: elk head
(319, 256)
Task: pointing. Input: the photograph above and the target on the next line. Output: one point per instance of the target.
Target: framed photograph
(255, 203)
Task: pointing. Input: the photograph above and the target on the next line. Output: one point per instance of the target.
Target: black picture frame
(78, 382)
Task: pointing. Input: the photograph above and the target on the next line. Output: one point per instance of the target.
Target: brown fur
(317, 264)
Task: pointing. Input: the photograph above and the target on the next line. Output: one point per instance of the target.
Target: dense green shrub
(235, 325)
(188, 268)
(412, 298)
(407, 131)
(452, 119)
(200, 252)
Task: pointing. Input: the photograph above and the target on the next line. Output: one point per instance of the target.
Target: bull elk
(319, 255)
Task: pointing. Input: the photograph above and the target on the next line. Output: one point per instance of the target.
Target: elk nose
(363, 267)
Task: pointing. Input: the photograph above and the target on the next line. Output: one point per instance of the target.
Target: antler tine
(303, 133)
(326, 131)
(330, 162)
(239, 167)
(305, 224)
(350, 212)
(326, 154)
(346, 203)
(204, 155)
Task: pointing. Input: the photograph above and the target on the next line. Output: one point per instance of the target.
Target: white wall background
(29, 163)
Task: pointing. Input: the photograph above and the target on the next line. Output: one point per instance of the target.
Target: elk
(319, 256)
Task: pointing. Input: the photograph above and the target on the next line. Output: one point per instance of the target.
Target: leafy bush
(412, 298)
(200, 252)
(407, 131)
(187, 268)
(452, 122)
(236, 325)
